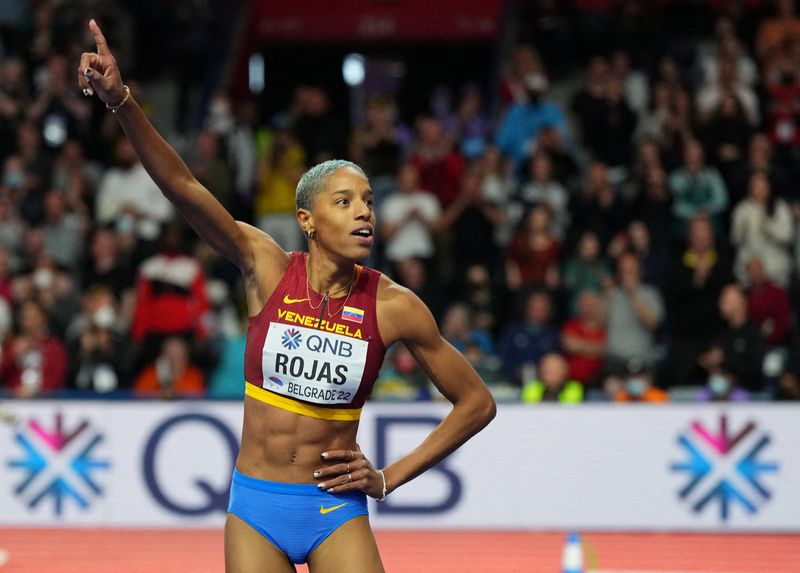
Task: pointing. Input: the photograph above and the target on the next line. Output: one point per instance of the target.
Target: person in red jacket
(33, 361)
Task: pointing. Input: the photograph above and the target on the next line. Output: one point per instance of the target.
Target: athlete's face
(343, 219)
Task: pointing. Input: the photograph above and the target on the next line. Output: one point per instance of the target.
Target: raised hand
(98, 72)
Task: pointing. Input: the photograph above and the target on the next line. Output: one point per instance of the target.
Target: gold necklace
(326, 297)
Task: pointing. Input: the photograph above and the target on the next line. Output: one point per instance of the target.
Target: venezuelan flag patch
(353, 314)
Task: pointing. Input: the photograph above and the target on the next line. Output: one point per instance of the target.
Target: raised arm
(408, 320)
(98, 73)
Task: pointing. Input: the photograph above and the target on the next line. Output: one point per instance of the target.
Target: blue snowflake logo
(724, 467)
(58, 464)
(291, 338)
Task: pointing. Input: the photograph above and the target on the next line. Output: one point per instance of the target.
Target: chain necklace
(326, 296)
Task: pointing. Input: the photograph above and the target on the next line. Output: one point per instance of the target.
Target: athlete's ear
(305, 219)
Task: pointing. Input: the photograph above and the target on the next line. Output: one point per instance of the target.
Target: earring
(310, 233)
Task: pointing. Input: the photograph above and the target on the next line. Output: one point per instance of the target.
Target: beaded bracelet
(127, 93)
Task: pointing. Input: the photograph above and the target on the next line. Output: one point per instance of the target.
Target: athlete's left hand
(349, 470)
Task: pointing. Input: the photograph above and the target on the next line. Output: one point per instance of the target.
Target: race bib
(312, 365)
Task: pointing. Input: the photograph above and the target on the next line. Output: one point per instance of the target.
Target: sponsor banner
(168, 464)
(376, 20)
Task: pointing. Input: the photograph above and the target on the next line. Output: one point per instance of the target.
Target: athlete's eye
(344, 202)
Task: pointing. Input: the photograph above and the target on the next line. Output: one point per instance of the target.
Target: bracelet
(127, 93)
(383, 495)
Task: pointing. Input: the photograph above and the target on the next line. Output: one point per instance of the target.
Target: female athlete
(319, 327)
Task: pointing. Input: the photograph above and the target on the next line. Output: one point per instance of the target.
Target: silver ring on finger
(86, 91)
(348, 469)
(349, 478)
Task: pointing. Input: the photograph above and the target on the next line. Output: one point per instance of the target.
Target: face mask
(636, 387)
(13, 179)
(718, 384)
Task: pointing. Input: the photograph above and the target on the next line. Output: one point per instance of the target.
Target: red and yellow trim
(302, 408)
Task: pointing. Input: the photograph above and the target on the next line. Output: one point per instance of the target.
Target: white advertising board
(624, 467)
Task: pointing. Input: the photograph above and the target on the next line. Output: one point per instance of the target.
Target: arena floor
(200, 551)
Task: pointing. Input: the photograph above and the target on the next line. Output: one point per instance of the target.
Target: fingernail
(321, 485)
(90, 91)
(324, 455)
(330, 490)
(317, 474)
(88, 72)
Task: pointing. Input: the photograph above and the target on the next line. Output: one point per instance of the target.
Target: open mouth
(365, 232)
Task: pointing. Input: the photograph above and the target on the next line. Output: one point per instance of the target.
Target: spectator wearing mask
(635, 385)
(737, 349)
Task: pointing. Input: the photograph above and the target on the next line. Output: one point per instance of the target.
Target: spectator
(586, 269)
(760, 160)
(652, 204)
(171, 375)
(698, 276)
(523, 343)
(212, 168)
(439, 165)
(459, 329)
(697, 189)
(414, 275)
(636, 385)
(774, 31)
(553, 383)
(279, 170)
(533, 256)
(468, 126)
(762, 225)
(320, 130)
(726, 135)
(721, 388)
(473, 222)
(64, 231)
(408, 219)
(97, 346)
(609, 140)
(379, 144)
(34, 362)
(635, 311)
(736, 351)
(769, 304)
(522, 122)
(130, 198)
(599, 208)
(543, 188)
(170, 297)
(583, 339)
(106, 266)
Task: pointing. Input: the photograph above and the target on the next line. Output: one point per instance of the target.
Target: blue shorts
(294, 517)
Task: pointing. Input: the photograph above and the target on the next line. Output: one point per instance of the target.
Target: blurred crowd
(621, 225)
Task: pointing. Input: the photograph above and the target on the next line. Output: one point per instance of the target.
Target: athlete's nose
(363, 211)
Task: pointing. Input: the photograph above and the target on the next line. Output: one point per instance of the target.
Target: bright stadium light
(353, 69)
(256, 73)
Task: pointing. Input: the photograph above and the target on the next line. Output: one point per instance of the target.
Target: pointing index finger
(99, 38)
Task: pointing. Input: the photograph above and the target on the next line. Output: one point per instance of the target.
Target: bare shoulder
(268, 264)
(401, 314)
